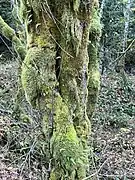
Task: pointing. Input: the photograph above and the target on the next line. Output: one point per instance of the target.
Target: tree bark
(57, 74)
(126, 12)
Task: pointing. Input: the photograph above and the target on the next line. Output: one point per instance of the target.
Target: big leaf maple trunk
(56, 75)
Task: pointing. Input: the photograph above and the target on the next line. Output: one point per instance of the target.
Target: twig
(115, 175)
(97, 170)
(27, 156)
(123, 53)
(5, 111)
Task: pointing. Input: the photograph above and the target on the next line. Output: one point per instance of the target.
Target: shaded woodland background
(112, 145)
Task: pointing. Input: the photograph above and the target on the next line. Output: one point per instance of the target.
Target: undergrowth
(116, 103)
(22, 145)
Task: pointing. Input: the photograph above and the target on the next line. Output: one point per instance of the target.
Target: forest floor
(112, 149)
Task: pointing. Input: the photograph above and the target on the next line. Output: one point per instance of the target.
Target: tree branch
(123, 53)
(9, 33)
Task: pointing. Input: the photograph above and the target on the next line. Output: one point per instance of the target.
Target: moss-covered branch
(93, 66)
(20, 49)
(9, 33)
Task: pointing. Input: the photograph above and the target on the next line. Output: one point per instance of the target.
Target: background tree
(5, 12)
(114, 19)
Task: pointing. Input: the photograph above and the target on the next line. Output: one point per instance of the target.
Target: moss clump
(95, 26)
(29, 77)
(6, 30)
(37, 77)
(68, 154)
(94, 86)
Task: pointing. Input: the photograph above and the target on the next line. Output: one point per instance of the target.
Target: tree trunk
(57, 74)
(121, 63)
(126, 12)
(55, 77)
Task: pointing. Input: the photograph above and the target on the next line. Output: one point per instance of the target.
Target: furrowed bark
(56, 75)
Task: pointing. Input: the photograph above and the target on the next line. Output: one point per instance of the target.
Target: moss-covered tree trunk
(60, 77)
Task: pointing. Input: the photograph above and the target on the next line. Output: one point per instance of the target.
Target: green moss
(93, 66)
(68, 153)
(53, 176)
(23, 11)
(29, 77)
(76, 4)
(71, 134)
(9, 33)
(69, 138)
(94, 80)
(19, 47)
(93, 86)
(67, 149)
(5, 29)
(37, 76)
(95, 26)
(40, 41)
